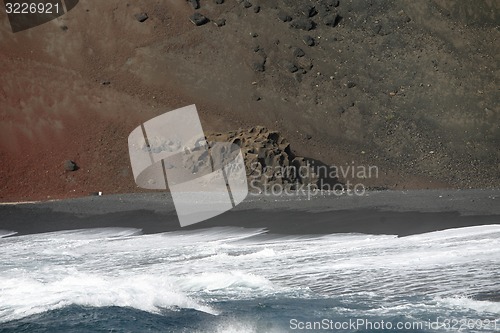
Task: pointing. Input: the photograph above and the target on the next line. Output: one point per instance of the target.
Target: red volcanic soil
(54, 107)
(407, 87)
(53, 116)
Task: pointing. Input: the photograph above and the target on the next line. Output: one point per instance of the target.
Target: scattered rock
(308, 40)
(322, 9)
(332, 3)
(332, 20)
(256, 9)
(351, 84)
(256, 48)
(284, 16)
(70, 166)
(308, 136)
(308, 10)
(298, 52)
(247, 4)
(219, 2)
(106, 82)
(256, 98)
(259, 66)
(303, 24)
(220, 22)
(141, 17)
(198, 19)
(194, 3)
(289, 66)
(64, 27)
(254, 34)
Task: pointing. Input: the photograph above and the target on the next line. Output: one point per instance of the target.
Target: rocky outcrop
(198, 19)
(269, 160)
(70, 165)
(141, 17)
(194, 3)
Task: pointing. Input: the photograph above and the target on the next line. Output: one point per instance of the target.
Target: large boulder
(269, 160)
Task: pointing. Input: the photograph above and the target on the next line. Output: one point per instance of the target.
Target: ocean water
(245, 280)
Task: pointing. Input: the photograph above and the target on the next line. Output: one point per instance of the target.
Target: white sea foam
(463, 302)
(121, 267)
(239, 326)
(7, 233)
(235, 281)
(24, 296)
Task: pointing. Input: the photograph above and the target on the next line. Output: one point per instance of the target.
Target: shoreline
(399, 213)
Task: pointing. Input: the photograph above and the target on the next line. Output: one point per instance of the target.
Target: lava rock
(322, 9)
(332, 20)
(198, 19)
(141, 17)
(220, 22)
(194, 3)
(70, 166)
(332, 3)
(284, 16)
(268, 158)
(298, 52)
(308, 10)
(303, 24)
(259, 66)
(289, 66)
(308, 40)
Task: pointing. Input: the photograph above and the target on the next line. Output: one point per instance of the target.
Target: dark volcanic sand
(388, 212)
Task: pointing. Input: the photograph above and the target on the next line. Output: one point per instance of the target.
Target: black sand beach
(385, 212)
(226, 274)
